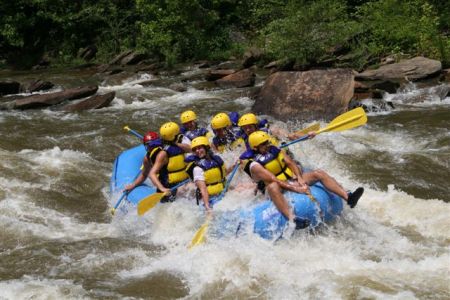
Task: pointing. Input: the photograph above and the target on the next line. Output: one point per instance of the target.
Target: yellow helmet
(169, 131)
(200, 141)
(257, 138)
(220, 120)
(248, 119)
(188, 116)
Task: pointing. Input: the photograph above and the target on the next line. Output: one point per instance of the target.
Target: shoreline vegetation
(298, 35)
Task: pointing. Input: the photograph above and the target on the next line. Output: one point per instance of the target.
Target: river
(59, 240)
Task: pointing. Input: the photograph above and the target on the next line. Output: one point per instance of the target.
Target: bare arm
(260, 173)
(204, 192)
(146, 164)
(296, 170)
(161, 160)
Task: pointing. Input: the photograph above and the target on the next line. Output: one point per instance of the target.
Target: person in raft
(226, 136)
(207, 171)
(190, 128)
(278, 171)
(169, 167)
(153, 144)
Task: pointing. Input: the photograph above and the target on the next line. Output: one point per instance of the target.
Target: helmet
(248, 119)
(150, 136)
(257, 138)
(220, 120)
(169, 131)
(188, 116)
(200, 141)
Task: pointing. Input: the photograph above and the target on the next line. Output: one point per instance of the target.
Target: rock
(116, 60)
(214, 75)
(9, 87)
(179, 87)
(280, 65)
(94, 102)
(38, 101)
(38, 85)
(133, 58)
(445, 76)
(251, 56)
(239, 79)
(88, 53)
(204, 64)
(228, 65)
(372, 105)
(116, 70)
(315, 94)
(412, 69)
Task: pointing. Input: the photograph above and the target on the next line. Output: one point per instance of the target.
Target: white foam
(30, 287)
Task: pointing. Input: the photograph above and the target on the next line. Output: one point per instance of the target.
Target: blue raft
(263, 217)
(126, 168)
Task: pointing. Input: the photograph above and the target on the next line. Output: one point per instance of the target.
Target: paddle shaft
(120, 200)
(231, 177)
(199, 236)
(134, 132)
(179, 184)
(125, 193)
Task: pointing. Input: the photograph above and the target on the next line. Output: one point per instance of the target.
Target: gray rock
(411, 70)
(316, 94)
(239, 79)
(94, 102)
(39, 101)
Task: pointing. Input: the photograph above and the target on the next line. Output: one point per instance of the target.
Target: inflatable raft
(261, 218)
(126, 168)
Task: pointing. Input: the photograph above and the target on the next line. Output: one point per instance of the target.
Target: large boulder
(316, 94)
(243, 78)
(411, 70)
(94, 102)
(43, 100)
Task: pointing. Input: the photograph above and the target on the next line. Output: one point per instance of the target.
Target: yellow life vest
(176, 167)
(214, 172)
(274, 162)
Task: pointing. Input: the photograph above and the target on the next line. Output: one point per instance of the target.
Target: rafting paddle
(135, 133)
(199, 236)
(124, 194)
(351, 119)
(313, 127)
(150, 201)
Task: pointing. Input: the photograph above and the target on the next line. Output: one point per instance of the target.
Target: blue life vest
(192, 134)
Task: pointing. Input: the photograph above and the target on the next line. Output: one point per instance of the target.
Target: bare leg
(278, 199)
(329, 182)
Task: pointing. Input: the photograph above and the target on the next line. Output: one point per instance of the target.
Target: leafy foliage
(345, 32)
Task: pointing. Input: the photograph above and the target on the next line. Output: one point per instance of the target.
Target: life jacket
(174, 171)
(214, 169)
(192, 134)
(232, 140)
(273, 161)
(155, 148)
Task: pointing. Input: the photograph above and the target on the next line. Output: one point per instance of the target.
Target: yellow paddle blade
(199, 236)
(126, 128)
(305, 131)
(351, 119)
(149, 202)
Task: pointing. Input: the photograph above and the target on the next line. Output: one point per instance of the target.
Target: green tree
(309, 30)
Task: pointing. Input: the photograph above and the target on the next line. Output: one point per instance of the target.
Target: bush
(310, 30)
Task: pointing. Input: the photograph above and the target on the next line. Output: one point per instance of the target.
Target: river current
(59, 240)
